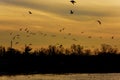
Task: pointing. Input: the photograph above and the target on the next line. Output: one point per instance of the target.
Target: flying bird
(73, 2)
(30, 44)
(82, 32)
(60, 46)
(26, 29)
(17, 43)
(99, 22)
(30, 12)
(71, 11)
(53, 35)
(20, 29)
(65, 38)
(115, 45)
(74, 39)
(100, 37)
(32, 33)
(28, 36)
(63, 28)
(69, 34)
(11, 33)
(112, 37)
(45, 34)
(60, 30)
(17, 35)
(14, 37)
(89, 36)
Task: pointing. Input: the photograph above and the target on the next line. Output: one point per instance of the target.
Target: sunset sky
(50, 16)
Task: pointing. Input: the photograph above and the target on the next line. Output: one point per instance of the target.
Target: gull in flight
(17, 43)
(20, 29)
(73, 2)
(71, 11)
(29, 12)
(99, 22)
(112, 37)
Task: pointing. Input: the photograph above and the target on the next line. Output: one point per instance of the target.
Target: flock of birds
(16, 38)
(72, 12)
(73, 2)
(29, 33)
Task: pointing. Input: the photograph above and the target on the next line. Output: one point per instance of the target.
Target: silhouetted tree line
(52, 50)
(57, 59)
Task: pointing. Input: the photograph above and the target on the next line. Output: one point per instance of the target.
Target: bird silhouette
(27, 35)
(11, 33)
(82, 32)
(65, 38)
(17, 43)
(115, 45)
(20, 29)
(69, 34)
(100, 37)
(26, 29)
(89, 36)
(71, 11)
(45, 35)
(30, 44)
(29, 12)
(73, 2)
(60, 46)
(99, 22)
(32, 33)
(14, 37)
(112, 37)
(17, 35)
(60, 30)
(74, 39)
(63, 28)
(53, 35)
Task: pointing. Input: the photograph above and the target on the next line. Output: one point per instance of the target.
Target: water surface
(108, 76)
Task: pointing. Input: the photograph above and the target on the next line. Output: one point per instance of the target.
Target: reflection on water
(109, 76)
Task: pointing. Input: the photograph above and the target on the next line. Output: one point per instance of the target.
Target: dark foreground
(59, 64)
(14, 62)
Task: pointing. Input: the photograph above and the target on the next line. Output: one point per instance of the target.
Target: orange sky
(50, 16)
